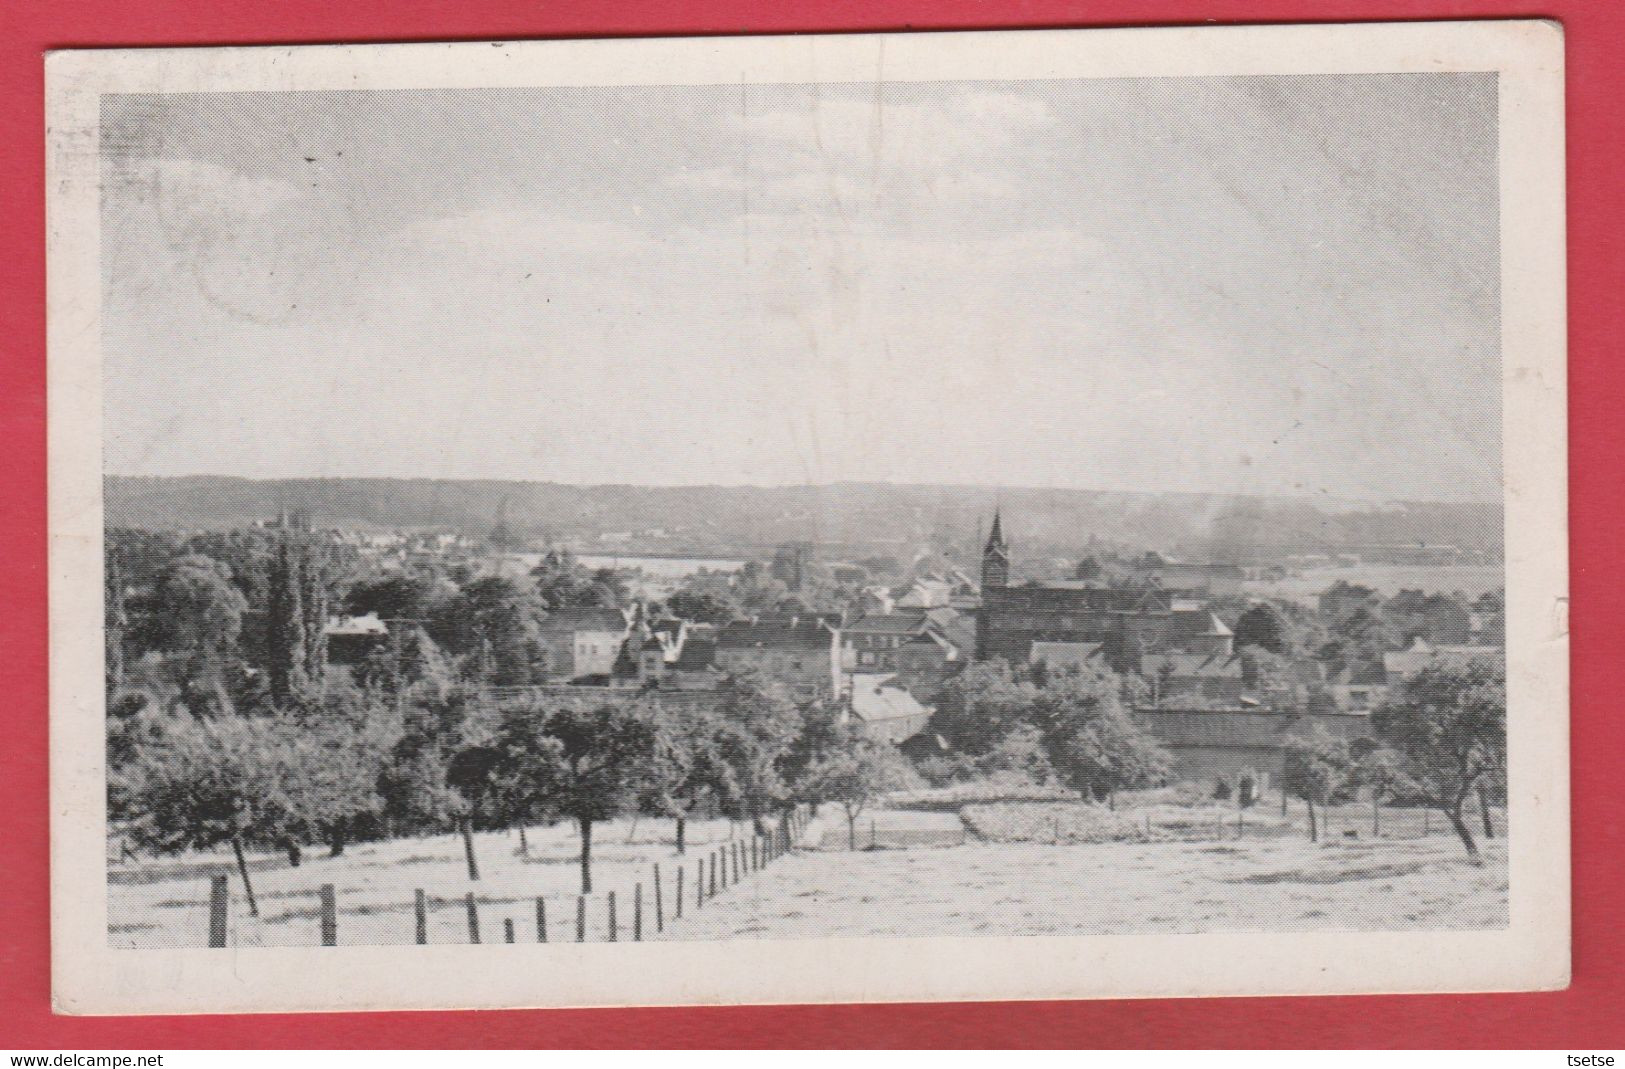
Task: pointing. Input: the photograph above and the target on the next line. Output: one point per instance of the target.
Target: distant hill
(865, 517)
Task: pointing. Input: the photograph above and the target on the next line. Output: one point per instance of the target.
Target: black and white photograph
(774, 509)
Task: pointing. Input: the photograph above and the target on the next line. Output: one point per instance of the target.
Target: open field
(1274, 885)
(164, 902)
(1178, 869)
(1386, 579)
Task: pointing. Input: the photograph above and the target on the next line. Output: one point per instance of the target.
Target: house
(1194, 678)
(582, 642)
(1358, 688)
(925, 593)
(1198, 630)
(924, 663)
(351, 639)
(869, 643)
(695, 667)
(884, 711)
(1068, 655)
(1244, 747)
(802, 653)
(1218, 580)
(1400, 665)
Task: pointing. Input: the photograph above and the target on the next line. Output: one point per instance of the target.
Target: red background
(1590, 1014)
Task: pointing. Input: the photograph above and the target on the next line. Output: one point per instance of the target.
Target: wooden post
(507, 929)
(614, 929)
(330, 916)
(699, 883)
(755, 856)
(420, 909)
(473, 918)
(541, 919)
(738, 846)
(637, 913)
(219, 901)
(660, 906)
(713, 874)
(677, 899)
(581, 918)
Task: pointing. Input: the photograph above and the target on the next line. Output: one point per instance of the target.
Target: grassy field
(1176, 868)
(1272, 885)
(164, 902)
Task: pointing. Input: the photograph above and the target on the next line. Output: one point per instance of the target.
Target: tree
(603, 758)
(1382, 772)
(1315, 767)
(195, 608)
(396, 598)
(287, 653)
(493, 620)
(204, 782)
(852, 774)
(980, 706)
(1261, 626)
(702, 606)
(471, 772)
(1449, 720)
(757, 727)
(1092, 743)
(688, 770)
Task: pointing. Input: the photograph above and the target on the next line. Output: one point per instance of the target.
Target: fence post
(581, 918)
(473, 918)
(541, 919)
(614, 933)
(677, 899)
(735, 852)
(330, 916)
(507, 929)
(637, 913)
(420, 910)
(713, 874)
(699, 883)
(219, 898)
(660, 906)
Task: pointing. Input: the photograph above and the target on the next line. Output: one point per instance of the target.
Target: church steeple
(995, 557)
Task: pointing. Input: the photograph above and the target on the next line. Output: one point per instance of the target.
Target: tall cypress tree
(313, 576)
(115, 620)
(286, 655)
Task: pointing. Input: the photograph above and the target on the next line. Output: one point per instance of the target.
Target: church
(1125, 623)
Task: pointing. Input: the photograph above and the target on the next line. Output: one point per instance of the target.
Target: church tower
(995, 557)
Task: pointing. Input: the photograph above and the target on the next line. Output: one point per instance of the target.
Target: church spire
(995, 557)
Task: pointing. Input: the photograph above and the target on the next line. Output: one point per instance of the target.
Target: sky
(1281, 285)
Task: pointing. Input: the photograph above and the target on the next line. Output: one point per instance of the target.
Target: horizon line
(996, 488)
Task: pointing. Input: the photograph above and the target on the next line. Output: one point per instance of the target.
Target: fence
(630, 915)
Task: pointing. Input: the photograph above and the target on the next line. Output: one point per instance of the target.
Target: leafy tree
(411, 598)
(702, 606)
(1315, 767)
(602, 760)
(204, 782)
(852, 774)
(980, 706)
(1382, 772)
(1093, 745)
(195, 608)
(472, 774)
(688, 770)
(1261, 626)
(494, 620)
(562, 582)
(758, 726)
(1449, 720)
